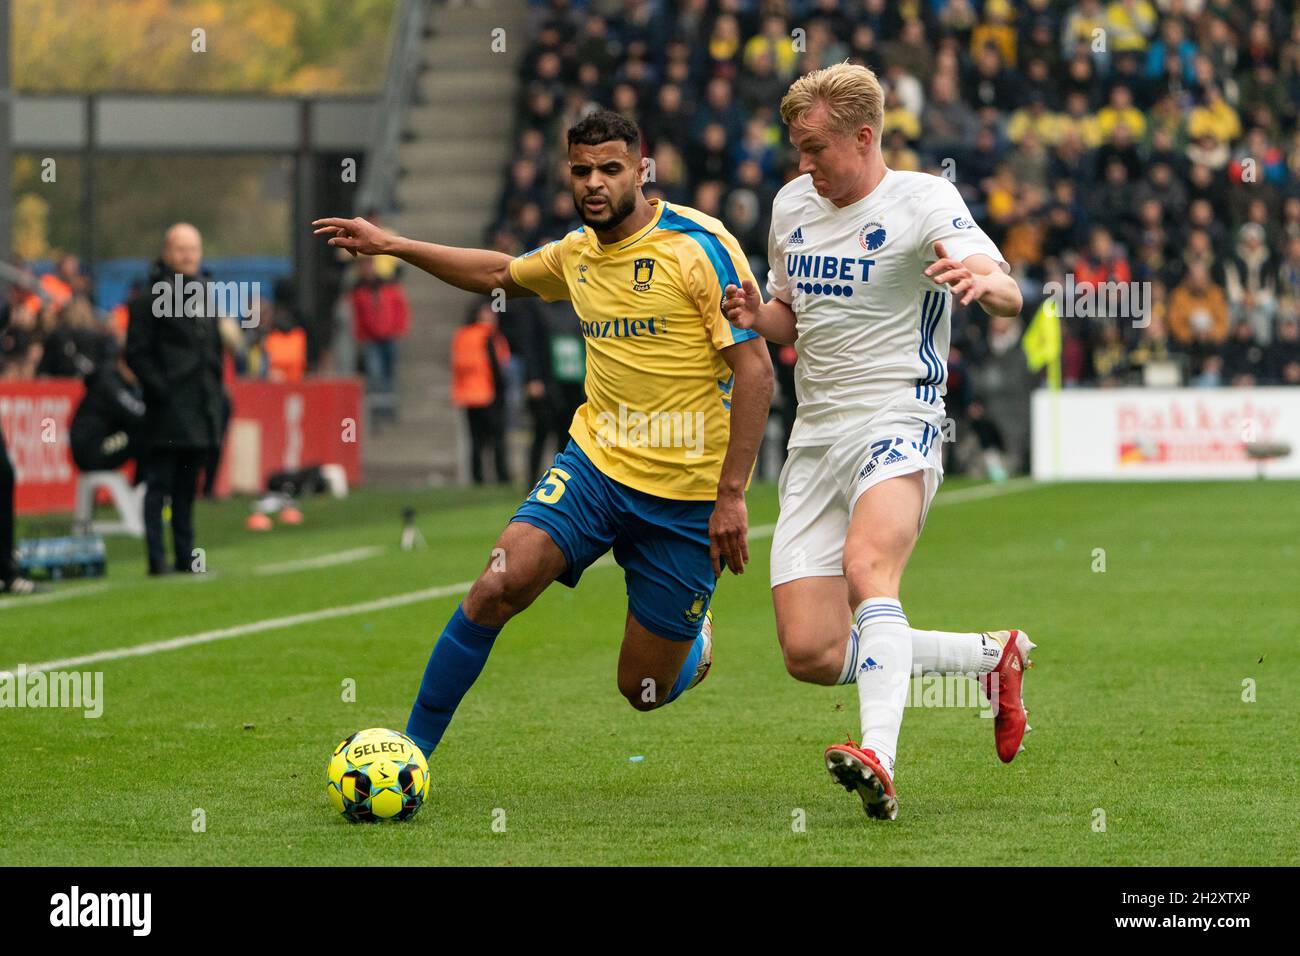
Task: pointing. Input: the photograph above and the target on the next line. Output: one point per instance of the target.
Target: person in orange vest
(59, 287)
(120, 315)
(65, 281)
(286, 347)
(478, 354)
(20, 333)
(58, 291)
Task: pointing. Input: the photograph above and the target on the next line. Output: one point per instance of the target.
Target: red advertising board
(274, 427)
(35, 417)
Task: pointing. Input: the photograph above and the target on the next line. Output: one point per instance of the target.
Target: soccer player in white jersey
(864, 264)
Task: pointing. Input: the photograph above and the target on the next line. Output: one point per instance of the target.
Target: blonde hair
(852, 95)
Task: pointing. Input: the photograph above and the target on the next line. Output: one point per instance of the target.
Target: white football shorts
(819, 485)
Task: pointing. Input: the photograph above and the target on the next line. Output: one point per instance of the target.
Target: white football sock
(934, 652)
(849, 673)
(949, 652)
(884, 674)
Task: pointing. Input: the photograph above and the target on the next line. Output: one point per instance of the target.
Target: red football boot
(1010, 721)
(861, 770)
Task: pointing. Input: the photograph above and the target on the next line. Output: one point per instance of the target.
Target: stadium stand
(1147, 145)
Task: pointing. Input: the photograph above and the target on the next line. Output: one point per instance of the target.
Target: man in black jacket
(174, 349)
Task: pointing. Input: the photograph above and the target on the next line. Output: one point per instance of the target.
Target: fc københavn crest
(643, 271)
(871, 236)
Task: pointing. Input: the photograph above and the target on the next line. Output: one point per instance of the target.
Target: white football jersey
(872, 327)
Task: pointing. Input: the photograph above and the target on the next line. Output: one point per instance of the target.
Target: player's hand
(960, 280)
(729, 534)
(357, 236)
(741, 305)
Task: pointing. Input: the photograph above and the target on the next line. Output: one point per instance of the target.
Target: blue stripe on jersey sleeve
(717, 255)
(712, 246)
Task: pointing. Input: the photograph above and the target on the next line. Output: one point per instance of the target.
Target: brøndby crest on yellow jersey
(642, 272)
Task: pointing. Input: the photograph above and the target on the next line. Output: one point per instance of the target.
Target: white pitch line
(989, 490)
(400, 600)
(253, 627)
(321, 561)
(52, 596)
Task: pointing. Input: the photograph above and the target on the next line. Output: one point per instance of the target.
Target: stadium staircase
(456, 142)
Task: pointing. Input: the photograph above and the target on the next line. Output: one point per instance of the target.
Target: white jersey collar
(860, 204)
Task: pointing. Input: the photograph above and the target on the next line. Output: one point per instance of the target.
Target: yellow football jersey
(658, 411)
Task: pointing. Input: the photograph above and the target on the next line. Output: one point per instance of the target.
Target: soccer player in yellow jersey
(660, 454)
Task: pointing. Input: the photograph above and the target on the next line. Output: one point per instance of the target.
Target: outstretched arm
(475, 270)
(977, 278)
(745, 309)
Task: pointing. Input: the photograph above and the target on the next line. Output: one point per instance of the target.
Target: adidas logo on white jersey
(796, 237)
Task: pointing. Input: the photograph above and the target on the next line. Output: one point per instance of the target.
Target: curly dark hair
(601, 127)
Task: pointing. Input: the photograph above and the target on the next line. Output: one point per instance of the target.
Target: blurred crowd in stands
(1098, 143)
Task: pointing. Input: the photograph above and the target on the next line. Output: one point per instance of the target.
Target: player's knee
(643, 693)
(872, 571)
(495, 598)
(810, 664)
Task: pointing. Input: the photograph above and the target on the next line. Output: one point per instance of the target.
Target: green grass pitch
(1136, 700)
